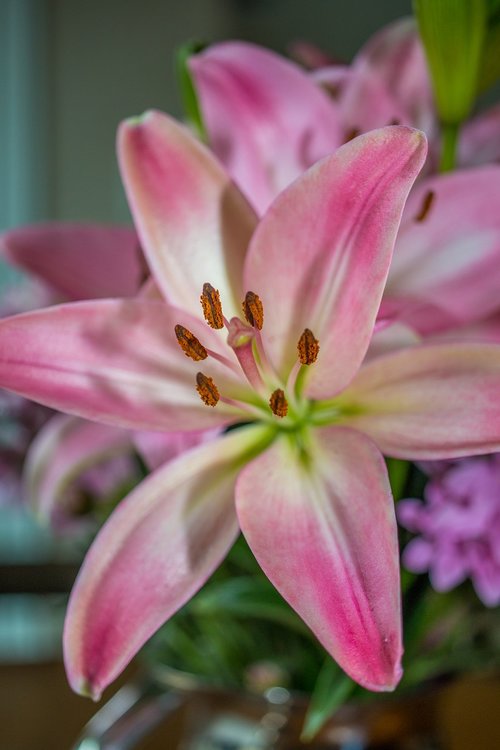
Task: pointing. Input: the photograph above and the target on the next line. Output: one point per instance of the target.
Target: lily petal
(193, 223)
(389, 81)
(77, 260)
(156, 448)
(61, 451)
(320, 256)
(324, 532)
(429, 402)
(128, 585)
(447, 273)
(115, 361)
(479, 142)
(264, 134)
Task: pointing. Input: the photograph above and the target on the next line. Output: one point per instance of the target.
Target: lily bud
(453, 33)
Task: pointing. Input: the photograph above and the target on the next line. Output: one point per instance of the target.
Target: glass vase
(169, 710)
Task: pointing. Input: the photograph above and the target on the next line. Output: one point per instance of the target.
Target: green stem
(448, 147)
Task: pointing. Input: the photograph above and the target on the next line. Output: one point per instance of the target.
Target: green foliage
(187, 88)
(331, 690)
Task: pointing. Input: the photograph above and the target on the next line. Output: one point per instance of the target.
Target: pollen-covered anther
(209, 393)
(308, 347)
(189, 344)
(253, 310)
(212, 308)
(278, 403)
(426, 205)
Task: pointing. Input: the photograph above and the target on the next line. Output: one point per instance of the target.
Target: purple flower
(458, 527)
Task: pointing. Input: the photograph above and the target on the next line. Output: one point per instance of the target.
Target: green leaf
(188, 91)
(331, 690)
(453, 33)
(247, 597)
(398, 474)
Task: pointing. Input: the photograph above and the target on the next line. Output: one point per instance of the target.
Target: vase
(169, 710)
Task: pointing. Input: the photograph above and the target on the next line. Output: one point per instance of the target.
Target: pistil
(240, 339)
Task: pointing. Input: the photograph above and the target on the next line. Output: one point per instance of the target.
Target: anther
(426, 205)
(308, 347)
(190, 344)
(278, 403)
(212, 308)
(253, 310)
(351, 134)
(207, 389)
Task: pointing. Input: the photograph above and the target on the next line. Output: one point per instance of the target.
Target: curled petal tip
(136, 120)
(85, 688)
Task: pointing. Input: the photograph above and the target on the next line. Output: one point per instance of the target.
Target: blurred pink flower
(268, 121)
(458, 527)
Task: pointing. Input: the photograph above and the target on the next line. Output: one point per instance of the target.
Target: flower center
(245, 340)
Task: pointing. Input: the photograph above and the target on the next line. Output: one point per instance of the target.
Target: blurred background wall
(74, 68)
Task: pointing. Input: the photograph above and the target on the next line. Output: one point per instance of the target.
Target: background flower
(458, 527)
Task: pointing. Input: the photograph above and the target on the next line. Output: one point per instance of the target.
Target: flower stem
(449, 145)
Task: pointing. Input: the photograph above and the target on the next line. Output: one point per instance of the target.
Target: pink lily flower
(253, 101)
(310, 484)
(445, 272)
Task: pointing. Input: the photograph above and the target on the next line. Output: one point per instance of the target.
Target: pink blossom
(268, 121)
(290, 476)
(291, 302)
(458, 527)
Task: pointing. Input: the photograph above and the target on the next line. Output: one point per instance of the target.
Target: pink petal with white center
(266, 119)
(323, 529)
(156, 448)
(159, 546)
(479, 141)
(446, 273)
(115, 361)
(429, 402)
(78, 261)
(193, 222)
(320, 256)
(61, 451)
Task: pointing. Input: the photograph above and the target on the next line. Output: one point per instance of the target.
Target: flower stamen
(209, 393)
(253, 310)
(189, 344)
(426, 205)
(278, 403)
(308, 347)
(212, 307)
